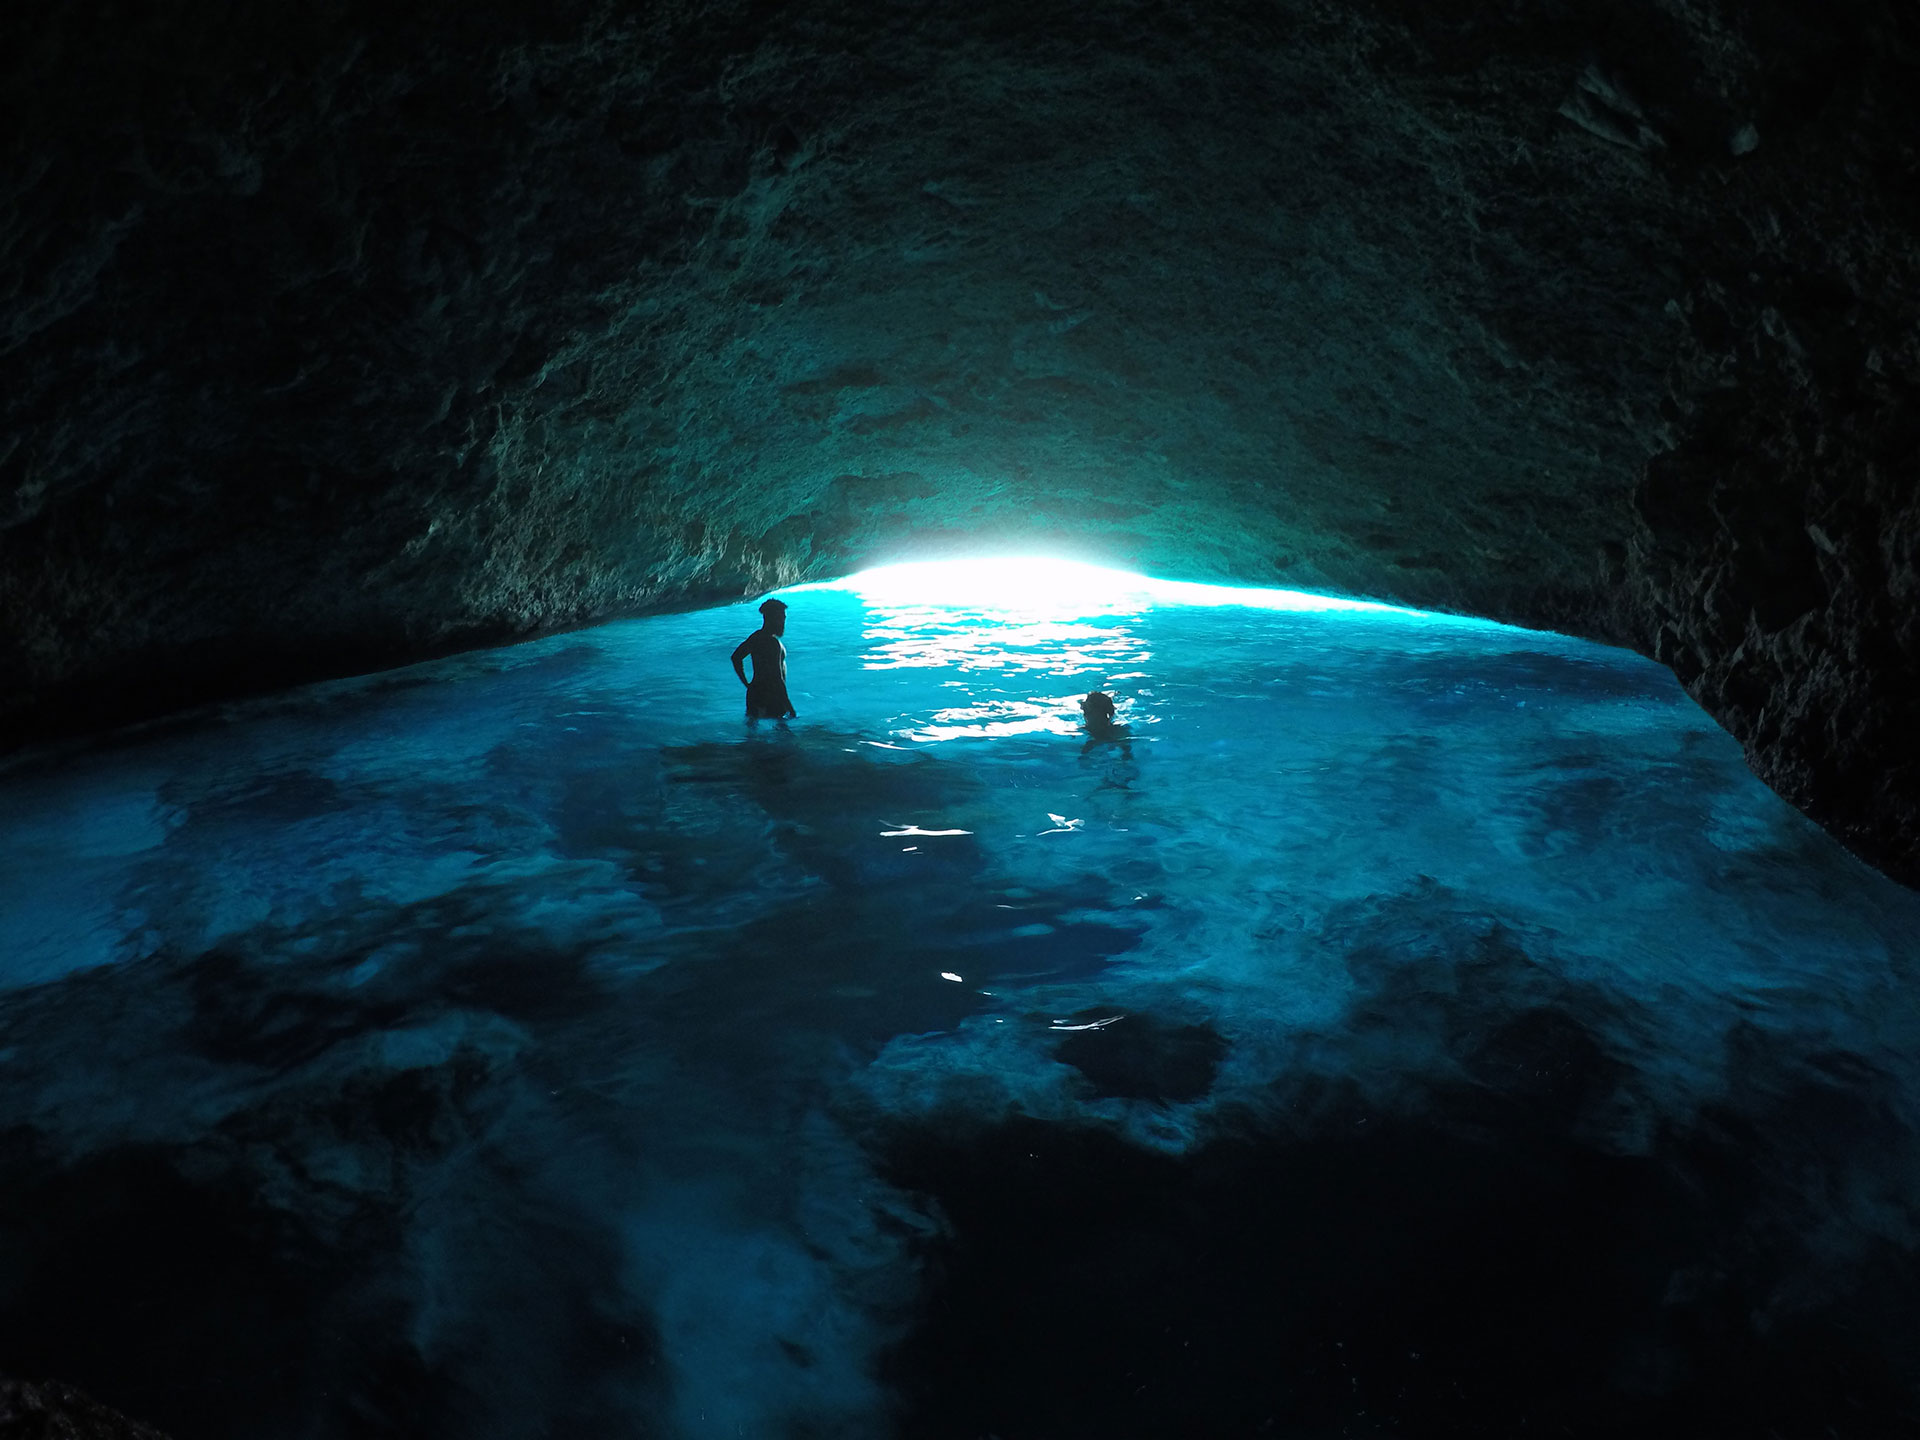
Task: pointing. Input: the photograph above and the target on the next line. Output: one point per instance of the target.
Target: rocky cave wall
(337, 335)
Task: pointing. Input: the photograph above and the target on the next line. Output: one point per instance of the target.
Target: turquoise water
(1410, 1025)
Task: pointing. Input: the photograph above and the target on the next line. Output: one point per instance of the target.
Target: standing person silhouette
(767, 689)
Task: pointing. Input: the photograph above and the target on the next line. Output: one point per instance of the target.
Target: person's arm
(744, 649)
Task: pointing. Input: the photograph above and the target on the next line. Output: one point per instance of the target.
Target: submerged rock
(1141, 1057)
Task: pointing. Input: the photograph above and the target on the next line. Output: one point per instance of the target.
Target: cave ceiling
(340, 335)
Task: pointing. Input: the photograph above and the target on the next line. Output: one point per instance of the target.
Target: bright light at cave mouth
(1029, 585)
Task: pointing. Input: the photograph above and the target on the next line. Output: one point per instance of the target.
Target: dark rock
(1777, 559)
(52, 1411)
(1544, 1062)
(343, 335)
(1142, 1057)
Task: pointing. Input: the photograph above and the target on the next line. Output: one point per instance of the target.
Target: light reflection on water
(929, 640)
(1018, 627)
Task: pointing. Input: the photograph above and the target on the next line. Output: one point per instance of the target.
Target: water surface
(1410, 1026)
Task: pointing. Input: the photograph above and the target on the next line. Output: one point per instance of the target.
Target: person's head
(773, 616)
(1098, 710)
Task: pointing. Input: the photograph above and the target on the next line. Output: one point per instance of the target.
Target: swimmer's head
(773, 614)
(1098, 709)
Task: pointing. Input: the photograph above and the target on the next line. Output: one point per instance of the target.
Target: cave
(1494, 420)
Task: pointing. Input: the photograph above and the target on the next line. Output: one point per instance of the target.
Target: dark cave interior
(340, 336)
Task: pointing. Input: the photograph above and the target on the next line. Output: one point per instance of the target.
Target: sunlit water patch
(1401, 1025)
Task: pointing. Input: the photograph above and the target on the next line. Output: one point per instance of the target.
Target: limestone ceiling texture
(339, 334)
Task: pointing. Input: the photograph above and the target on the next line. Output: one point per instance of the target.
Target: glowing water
(521, 1044)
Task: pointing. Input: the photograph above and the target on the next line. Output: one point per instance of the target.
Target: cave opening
(1361, 1019)
(1395, 1022)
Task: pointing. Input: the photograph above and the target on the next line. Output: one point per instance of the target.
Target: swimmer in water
(1097, 711)
(767, 688)
(1107, 740)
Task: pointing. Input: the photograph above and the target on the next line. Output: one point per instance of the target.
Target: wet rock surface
(52, 1411)
(337, 338)
(1776, 555)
